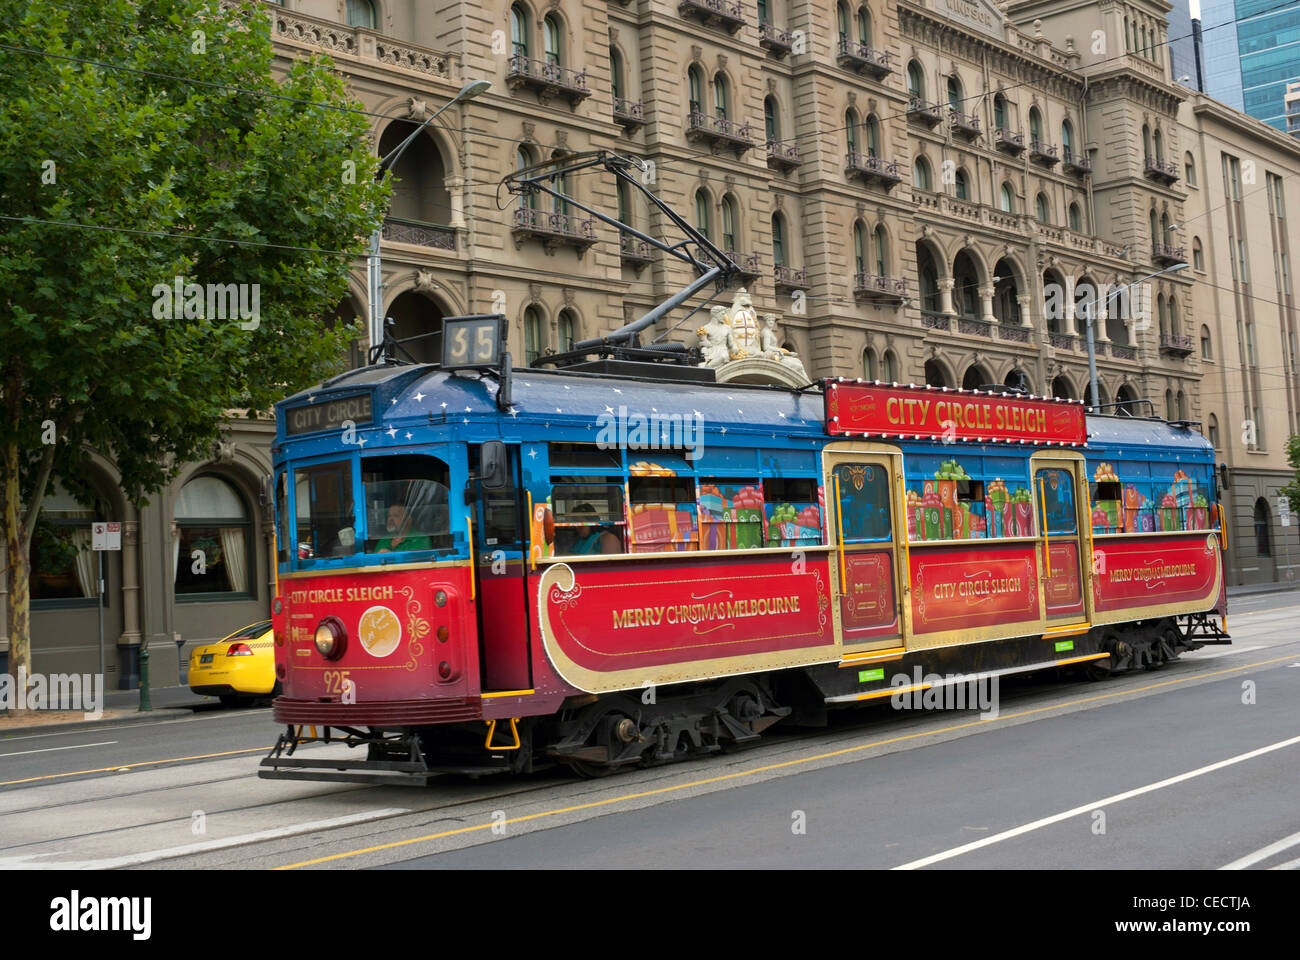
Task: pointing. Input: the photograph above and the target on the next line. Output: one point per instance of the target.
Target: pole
(1092, 357)
(375, 289)
(99, 603)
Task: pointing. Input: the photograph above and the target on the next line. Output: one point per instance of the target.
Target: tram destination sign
(328, 414)
(864, 409)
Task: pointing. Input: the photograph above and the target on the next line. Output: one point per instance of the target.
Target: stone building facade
(922, 190)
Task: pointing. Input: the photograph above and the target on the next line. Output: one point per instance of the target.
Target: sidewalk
(120, 706)
(1246, 589)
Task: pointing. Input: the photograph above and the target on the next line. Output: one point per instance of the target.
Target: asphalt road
(1183, 767)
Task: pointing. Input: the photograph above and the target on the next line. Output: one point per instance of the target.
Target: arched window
(561, 186)
(1146, 140)
(1213, 424)
(1067, 138)
(1000, 111)
(1076, 219)
(890, 368)
(1189, 170)
(921, 174)
(729, 223)
(869, 371)
(1198, 254)
(915, 80)
(1175, 326)
(1035, 125)
(859, 248)
(1181, 405)
(721, 95)
(616, 73)
(1040, 209)
(778, 240)
(1128, 37)
(532, 336)
(762, 12)
(954, 92)
(695, 81)
(519, 30)
(1159, 144)
(624, 204)
(702, 213)
(934, 375)
(1163, 315)
(872, 128)
(1008, 198)
(842, 19)
(882, 251)
(928, 278)
(523, 159)
(1207, 348)
(1169, 405)
(1155, 229)
(212, 552)
(551, 27)
(770, 123)
(864, 26)
(851, 129)
(1263, 529)
(564, 331)
(961, 185)
(361, 13)
(62, 561)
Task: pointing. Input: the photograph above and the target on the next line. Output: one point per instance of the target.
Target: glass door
(1056, 495)
(861, 488)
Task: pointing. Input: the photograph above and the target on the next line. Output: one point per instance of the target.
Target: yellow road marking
(130, 766)
(771, 766)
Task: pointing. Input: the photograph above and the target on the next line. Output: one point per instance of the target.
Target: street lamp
(374, 267)
(1088, 312)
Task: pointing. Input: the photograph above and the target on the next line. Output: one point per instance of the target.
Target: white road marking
(1289, 865)
(75, 746)
(1263, 854)
(1089, 807)
(30, 861)
(1196, 655)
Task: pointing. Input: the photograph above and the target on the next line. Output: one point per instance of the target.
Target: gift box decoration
(1022, 515)
(915, 520)
(996, 500)
(1168, 512)
(932, 507)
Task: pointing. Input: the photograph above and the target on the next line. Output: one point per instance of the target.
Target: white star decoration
(608, 408)
(514, 412)
(468, 410)
(394, 401)
(392, 432)
(419, 397)
(443, 404)
(408, 434)
(361, 442)
(532, 454)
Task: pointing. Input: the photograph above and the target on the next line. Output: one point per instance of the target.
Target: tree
(148, 146)
(1292, 490)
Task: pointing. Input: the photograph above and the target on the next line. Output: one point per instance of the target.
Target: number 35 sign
(476, 341)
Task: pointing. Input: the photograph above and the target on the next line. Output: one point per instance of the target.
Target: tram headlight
(331, 638)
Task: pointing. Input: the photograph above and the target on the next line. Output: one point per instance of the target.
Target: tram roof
(1149, 434)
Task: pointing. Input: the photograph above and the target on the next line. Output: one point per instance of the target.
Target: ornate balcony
(864, 59)
(774, 40)
(719, 132)
(1048, 154)
(1164, 171)
(634, 251)
(1163, 253)
(974, 328)
(1121, 351)
(1175, 345)
(782, 154)
(1077, 163)
(789, 278)
(553, 229)
(713, 13)
(1098, 346)
(548, 79)
(869, 286)
(298, 28)
(419, 233)
(936, 321)
(1063, 341)
(1013, 332)
(748, 267)
(931, 114)
(1008, 142)
(964, 124)
(873, 168)
(629, 113)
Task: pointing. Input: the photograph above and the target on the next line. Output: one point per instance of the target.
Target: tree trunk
(18, 574)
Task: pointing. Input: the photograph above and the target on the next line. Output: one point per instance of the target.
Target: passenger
(399, 526)
(592, 539)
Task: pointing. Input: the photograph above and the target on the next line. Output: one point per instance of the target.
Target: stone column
(946, 285)
(986, 304)
(268, 536)
(128, 644)
(456, 188)
(1023, 299)
(1101, 314)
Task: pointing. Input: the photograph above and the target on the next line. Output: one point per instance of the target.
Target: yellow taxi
(238, 667)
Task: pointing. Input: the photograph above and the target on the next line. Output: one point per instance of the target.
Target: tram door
(862, 517)
(501, 575)
(1064, 543)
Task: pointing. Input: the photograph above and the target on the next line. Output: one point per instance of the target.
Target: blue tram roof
(1145, 438)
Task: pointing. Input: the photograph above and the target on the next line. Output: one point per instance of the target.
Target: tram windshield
(325, 521)
(407, 506)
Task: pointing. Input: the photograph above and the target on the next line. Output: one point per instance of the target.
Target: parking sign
(106, 535)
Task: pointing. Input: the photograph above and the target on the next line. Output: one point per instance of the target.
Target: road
(1192, 766)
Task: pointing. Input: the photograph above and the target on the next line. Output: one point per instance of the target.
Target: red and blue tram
(482, 572)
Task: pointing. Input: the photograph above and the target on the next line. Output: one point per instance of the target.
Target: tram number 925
(337, 681)
(472, 341)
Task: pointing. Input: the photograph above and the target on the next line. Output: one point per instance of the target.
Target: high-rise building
(1292, 103)
(1182, 46)
(1252, 51)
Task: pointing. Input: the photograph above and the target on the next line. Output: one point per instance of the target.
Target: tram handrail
(839, 528)
(1047, 543)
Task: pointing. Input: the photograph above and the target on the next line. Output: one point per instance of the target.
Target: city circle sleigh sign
(858, 409)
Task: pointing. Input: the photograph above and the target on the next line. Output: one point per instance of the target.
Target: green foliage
(1292, 490)
(196, 140)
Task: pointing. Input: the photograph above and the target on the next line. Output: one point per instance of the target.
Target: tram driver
(594, 539)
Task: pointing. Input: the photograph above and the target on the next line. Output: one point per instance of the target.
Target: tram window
(731, 514)
(326, 521)
(790, 507)
(281, 516)
(1055, 495)
(863, 490)
(584, 456)
(589, 516)
(500, 507)
(407, 505)
(662, 514)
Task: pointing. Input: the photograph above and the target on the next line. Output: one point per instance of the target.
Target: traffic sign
(106, 535)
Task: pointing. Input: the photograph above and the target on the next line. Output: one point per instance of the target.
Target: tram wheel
(1095, 670)
(590, 771)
